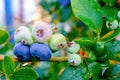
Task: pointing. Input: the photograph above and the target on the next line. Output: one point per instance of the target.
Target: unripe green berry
(23, 35)
(58, 41)
(73, 47)
(112, 25)
(74, 59)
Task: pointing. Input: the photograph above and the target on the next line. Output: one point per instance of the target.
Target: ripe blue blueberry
(22, 51)
(23, 35)
(40, 51)
(73, 47)
(112, 25)
(58, 41)
(74, 59)
(42, 32)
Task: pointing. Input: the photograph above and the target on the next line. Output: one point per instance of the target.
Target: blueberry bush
(93, 57)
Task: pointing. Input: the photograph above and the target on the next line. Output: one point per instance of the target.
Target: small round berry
(118, 14)
(73, 47)
(42, 32)
(54, 28)
(23, 34)
(74, 59)
(112, 25)
(40, 51)
(58, 41)
(22, 51)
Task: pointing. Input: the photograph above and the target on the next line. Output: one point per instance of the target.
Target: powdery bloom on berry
(22, 52)
(40, 51)
(23, 35)
(73, 47)
(74, 59)
(58, 41)
(42, 32)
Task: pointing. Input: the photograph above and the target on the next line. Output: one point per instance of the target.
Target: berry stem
(53, 59)
(59, 59)
(98, 36)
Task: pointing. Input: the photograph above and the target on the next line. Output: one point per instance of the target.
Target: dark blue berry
(40, 51)
(22, 51)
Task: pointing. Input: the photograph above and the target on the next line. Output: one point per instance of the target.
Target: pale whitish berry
(42, 32)
(23, 34)
(73, 47)
(74, 59)
(112, 25)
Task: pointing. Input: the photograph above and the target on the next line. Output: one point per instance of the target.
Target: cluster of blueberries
(39, 40)
(37, 50)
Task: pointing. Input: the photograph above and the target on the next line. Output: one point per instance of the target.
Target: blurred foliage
(62, 14)
(4, 37)
(10, 71)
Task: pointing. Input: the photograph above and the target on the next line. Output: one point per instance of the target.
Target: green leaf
(98, 48)
(1, 70)
(109, 13)
(112, 50)
(83, 41)
(110, 35)
(4, 37)
(74, 73)
(88, 11)
(110, 2)
(8, 65)
(7, 47)
(91, 56)
(113, 72)
(95, 70)
(9, 78)
(25, 74)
